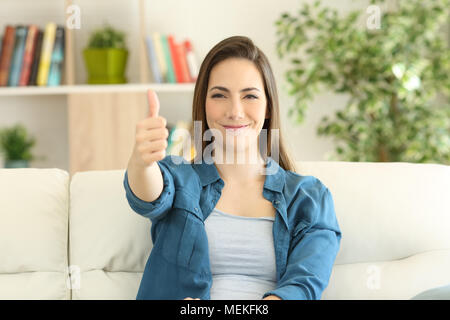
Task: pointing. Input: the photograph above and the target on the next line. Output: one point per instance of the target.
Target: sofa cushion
(396, 279)
(439, 293)
(33, 233)
(109, 243)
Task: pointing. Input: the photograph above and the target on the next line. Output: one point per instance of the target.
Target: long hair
(241, 47)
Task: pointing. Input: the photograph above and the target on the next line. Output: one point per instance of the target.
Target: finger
(153, 103)
(157, 145)
(152, 135)
(154, 156)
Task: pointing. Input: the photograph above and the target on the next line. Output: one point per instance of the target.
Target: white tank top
(242, 256)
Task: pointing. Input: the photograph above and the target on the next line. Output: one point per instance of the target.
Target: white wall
(204, 22)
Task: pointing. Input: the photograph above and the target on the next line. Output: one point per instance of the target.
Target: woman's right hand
(151, 135)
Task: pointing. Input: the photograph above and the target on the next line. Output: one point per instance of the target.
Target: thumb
(153, 103)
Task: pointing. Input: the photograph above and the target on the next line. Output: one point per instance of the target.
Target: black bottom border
(227, 309)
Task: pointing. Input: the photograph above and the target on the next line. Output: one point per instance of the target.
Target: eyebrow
(227, 90)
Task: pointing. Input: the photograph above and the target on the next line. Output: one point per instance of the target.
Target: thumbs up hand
(153, 104)
(151, 134)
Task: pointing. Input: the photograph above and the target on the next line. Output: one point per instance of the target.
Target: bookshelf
(70, 67)
(86, 88)
(101, 119)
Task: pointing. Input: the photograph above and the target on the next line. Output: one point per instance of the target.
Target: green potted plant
(16, 144)
(106, 56)
(396, 77)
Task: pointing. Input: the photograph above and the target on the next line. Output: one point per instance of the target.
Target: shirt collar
(207, 172)
(275, 177)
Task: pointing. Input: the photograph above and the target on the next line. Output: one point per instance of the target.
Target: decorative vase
(106, 66)
(16, 163)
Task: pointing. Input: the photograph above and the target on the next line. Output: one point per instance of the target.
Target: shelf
(86, 88)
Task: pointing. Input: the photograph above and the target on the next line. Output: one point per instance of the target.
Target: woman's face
(236, 103)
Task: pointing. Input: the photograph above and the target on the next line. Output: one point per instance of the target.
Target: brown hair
(241, 47)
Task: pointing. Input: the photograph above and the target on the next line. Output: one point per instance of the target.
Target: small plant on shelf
(106, 56)
(16, 145)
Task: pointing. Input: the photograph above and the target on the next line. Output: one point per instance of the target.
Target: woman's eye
(218, 95)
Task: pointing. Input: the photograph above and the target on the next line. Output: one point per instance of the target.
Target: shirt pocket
(189, 237)
(180, 236)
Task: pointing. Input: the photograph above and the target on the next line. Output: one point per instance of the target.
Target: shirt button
(277, 202)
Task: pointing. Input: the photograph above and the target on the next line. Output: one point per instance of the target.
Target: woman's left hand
(272, 297)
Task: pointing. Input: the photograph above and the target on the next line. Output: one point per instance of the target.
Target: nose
(236, 110)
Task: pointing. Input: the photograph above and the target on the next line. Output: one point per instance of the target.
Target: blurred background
(357, 80)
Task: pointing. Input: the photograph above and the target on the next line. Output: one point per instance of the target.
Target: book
(36, 59)
(183, 63)
(170, 127)
(27, 61)
(152, 60)
(46, 54)
(179, 60)
(56, 64)
(160, 55)
(170, 139)
(7, 51)
(168, 58)
(17, 57)
(191, 61)
(175, 59)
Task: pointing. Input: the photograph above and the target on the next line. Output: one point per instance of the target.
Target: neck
(243, 173)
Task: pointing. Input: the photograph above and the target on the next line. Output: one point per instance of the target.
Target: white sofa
(394, 217)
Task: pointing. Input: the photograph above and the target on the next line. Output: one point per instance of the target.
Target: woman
(237, 222)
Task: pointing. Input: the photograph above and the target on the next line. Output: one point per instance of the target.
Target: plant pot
(16, 163)
(105, 66)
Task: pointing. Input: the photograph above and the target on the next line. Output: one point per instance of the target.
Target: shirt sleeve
(312, 254)
(157, 209)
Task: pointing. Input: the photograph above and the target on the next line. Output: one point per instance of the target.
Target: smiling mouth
(235, 127)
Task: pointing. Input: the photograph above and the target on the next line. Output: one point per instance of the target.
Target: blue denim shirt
(305, 231)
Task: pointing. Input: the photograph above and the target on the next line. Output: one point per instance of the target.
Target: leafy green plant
(396, 77)
(16, 144)
(107, 37)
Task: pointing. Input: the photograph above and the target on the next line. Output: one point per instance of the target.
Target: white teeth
(236, 131)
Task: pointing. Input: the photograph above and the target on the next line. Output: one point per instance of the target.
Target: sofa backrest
(108, 242)
(34, 234)
(395, 222)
